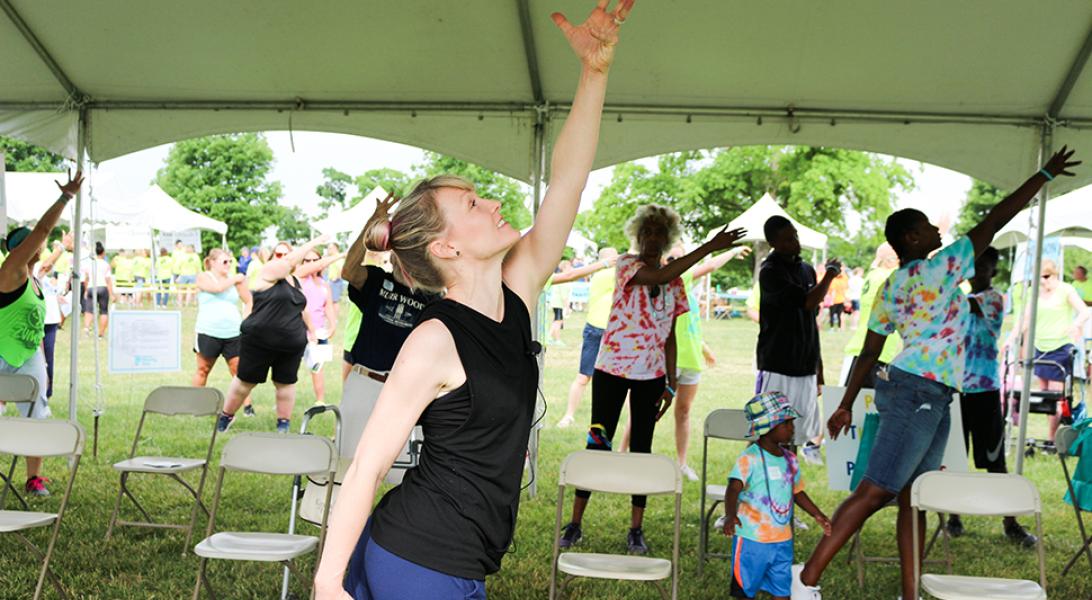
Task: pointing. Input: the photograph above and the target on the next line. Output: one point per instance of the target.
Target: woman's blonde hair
(213, 254)
(416, 222)
(657, 214)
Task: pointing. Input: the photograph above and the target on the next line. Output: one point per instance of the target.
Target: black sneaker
(248, 411)
(1016, 533)
(224, 422)
(955, 526)
(636, 541)
(570, 535)
(283, 425)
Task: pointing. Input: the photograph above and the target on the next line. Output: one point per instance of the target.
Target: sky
(300, 158)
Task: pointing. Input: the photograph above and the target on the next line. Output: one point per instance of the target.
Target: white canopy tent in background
(352, 219)
(979, 89)
(1070, 216)
(755, 217)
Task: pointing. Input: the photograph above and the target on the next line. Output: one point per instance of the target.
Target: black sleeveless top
(456, 511)
(276, 320)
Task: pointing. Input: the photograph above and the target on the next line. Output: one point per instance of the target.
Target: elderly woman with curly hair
(637, 354)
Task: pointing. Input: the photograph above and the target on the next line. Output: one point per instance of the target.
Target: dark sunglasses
(1048, 275)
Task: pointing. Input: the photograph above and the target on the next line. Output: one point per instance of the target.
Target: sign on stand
(841, 453)
(145, 341)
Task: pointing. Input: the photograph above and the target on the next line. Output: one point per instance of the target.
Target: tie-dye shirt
(922, 301)
(633, 342)
(765, 511)
(981, 373)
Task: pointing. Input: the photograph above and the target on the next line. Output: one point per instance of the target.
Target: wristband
(669, 389)
(1046, 174)
(65, 197)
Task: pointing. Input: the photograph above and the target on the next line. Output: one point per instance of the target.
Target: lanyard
(785, 514)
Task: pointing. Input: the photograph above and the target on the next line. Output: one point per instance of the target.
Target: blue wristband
(670, 389)
(1047, 174)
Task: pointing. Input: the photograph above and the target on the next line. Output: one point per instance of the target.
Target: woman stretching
(219, 291)
(637, 354)
(321, 311)
(274, 336)
(467, 372)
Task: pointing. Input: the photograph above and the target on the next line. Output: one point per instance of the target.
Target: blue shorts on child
(765, 566)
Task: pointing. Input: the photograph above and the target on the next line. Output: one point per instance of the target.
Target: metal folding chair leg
(9, 484)
(45, 571)
(856, 552)
(1086, 540)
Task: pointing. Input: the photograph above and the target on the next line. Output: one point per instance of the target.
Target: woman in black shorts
(467, 372)
(274, 336)
(219, 292)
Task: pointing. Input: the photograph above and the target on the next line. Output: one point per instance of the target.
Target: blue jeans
(913, 432)
(376, 574)
(589, 350)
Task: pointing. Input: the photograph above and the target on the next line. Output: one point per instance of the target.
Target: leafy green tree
(226, 178)
(333, 191)
(980, 199)
(489, 184)
(21, 156)
(392, 180)
(293, 226)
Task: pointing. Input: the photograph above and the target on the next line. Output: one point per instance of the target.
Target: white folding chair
(169, 401)
(617, 473)
(721, 424)
(16, 389)
(1064, 440)
(44, 438)
(983, 494)
(270, 454)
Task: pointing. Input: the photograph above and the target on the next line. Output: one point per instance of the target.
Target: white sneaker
(688, 472)
(565, 422)
(802, 526)
(811, 454)
(801, 591)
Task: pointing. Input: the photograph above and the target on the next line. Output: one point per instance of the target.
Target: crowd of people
(439, 345)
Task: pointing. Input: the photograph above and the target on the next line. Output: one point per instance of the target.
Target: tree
(488, 184)
(226, 178)
(333, 191)
(21, 156)
(980, 199)
(293, 226)
(392, 180)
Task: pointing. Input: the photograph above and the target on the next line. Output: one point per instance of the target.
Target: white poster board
(145, 341)
(842, 452)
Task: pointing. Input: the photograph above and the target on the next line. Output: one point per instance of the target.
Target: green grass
(141, 563)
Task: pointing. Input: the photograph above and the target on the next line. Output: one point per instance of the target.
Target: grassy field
(147, 564)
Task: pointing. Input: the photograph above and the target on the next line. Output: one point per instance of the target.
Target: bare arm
(426, 367)
(661, 274)
(13, 272)
(671, 359)
(280, 268)
(814, 297)
(982, 234)
(804, 501)
(331, 313)
(308, 269)
(534, 257)
(244, 293)
(207, 283)
(581, 272)
(354, 270)
(870, 353)
(731, 506)
(717, 262)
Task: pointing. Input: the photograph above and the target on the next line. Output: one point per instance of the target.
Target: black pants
(49, 342)
(836, 311)
(608, 396)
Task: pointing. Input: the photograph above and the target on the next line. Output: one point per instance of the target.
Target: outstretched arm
(354, 270)
(581, 272)
(843, 416)
(717, 262)
(534, 257)
(661, 274)
(13, 272)
(982, 234)
(279, 268)
(308, 269)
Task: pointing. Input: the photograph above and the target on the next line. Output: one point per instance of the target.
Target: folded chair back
(18, 388)
(983, 494)
(617, 473)
(39, 437)
(173, 400)
(279, 454)
(728, 424)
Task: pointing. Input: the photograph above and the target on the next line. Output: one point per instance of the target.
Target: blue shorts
(761, 566)
(913, 431)
(187, 279)
(377, 574)
(590, 349)
(1059, 363)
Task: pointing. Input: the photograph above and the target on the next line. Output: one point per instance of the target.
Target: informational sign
(842, 452)
(189, 237)
(144, 341)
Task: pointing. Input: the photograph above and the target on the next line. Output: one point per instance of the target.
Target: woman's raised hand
(70, 188)
(594, 40)
(1059, 164)
(383, 207)
(725, 239)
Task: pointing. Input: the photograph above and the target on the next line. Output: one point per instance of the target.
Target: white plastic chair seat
(265, 547)
(715, 492)
(158, 464)
(614, 566)
(959, 587)
(18, 520)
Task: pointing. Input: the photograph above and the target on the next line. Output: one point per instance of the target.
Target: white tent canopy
(352, 219)
(1069, 215)
(164, 213)
(755, 217)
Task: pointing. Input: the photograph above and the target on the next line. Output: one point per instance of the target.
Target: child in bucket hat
(763, 488)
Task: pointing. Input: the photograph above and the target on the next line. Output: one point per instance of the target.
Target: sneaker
(954, 526)
(1016, 533)
(283, 425)
(635, 541)
(565, 421)
(248, 411)
(570, 535)
(36, 486)
(688, 472)
(811, 453)
(799, 524)
(224, 422)
(801, 591)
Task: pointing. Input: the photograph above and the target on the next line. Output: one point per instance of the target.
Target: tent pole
(74, 301)
(538, 152)
(96, 410)
(3, 196)
(1032, 299)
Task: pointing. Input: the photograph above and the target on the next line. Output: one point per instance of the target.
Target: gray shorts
(688, 376)
(35, 366)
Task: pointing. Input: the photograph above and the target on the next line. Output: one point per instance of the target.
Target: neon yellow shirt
(253, 271)
(1084, 288)
(142, 266)
(123, 268)
(688, 337)
(600, 295)
(873, 282)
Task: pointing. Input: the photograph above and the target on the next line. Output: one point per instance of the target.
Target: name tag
(774, 473)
